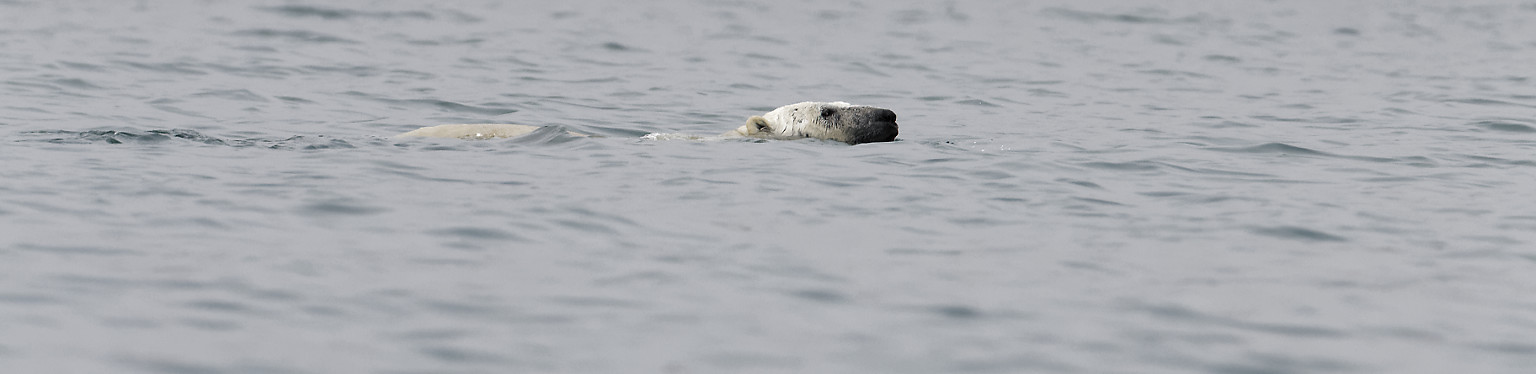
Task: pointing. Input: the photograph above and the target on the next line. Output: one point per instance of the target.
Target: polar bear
(839, 121)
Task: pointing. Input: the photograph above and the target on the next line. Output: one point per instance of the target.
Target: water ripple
(77, 250)
(1288, 150)
(1298, 233)
(441, 105)
(1086, 16)
(341, 208)
(185, 68)
(302, 11)
(1180, 313)
(1488, 102)
(294, 35)
(462, 355)
(1506, 126)
(478, 233)
(156, 137)
(1123, 166)
(236, 95)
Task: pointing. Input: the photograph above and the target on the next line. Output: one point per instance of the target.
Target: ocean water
(1243, 187)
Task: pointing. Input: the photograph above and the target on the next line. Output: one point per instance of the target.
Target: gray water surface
(1244, 187)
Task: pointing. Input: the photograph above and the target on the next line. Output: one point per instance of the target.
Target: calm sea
(1240, 187)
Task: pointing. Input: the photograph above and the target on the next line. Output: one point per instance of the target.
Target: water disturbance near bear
(839, 121)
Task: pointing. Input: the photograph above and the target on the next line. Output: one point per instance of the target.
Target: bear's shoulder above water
(840, 121)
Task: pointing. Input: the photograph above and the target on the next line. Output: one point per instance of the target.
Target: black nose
(883, 115)
(871, 124)
(877, 131)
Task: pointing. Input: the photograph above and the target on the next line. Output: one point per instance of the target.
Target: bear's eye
(828, 112)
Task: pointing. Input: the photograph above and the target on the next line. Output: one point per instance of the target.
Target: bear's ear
(758, 124)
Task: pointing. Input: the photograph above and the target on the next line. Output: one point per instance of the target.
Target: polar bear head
(840, 121)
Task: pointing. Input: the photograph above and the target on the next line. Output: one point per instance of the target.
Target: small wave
(436, 104)
(26, 298)
(1085, 16)
(222, 306)
(1487, 102)
(1193, 198)
(821, 295)
(1177, 73)
(1097, 201)
(123, 137)
(303, 11)
(1279, 148)
(165, 136)
(82, 66)
(1225, 124)
(1297, 233)
(76, 83)
(72, 250)
(294, 35)
(1485, 160)
(549, 135)
(256, 70)
(1222, 58)
(341, 208)
(477, 233)
(158, 365)
(352, 70)
(977, 102)
(1041, 92)
(461, 355)
(1287, 149)
(1506, 126)
(1123, 166)
(305, 143)
(167, 67)
(955, 311)
(1181, 313)
(1325, 119)
(236, 95)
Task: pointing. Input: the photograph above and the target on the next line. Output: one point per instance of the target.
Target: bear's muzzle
(869, 124)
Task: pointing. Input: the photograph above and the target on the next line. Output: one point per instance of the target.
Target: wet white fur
(793, 121)
(472, 131)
